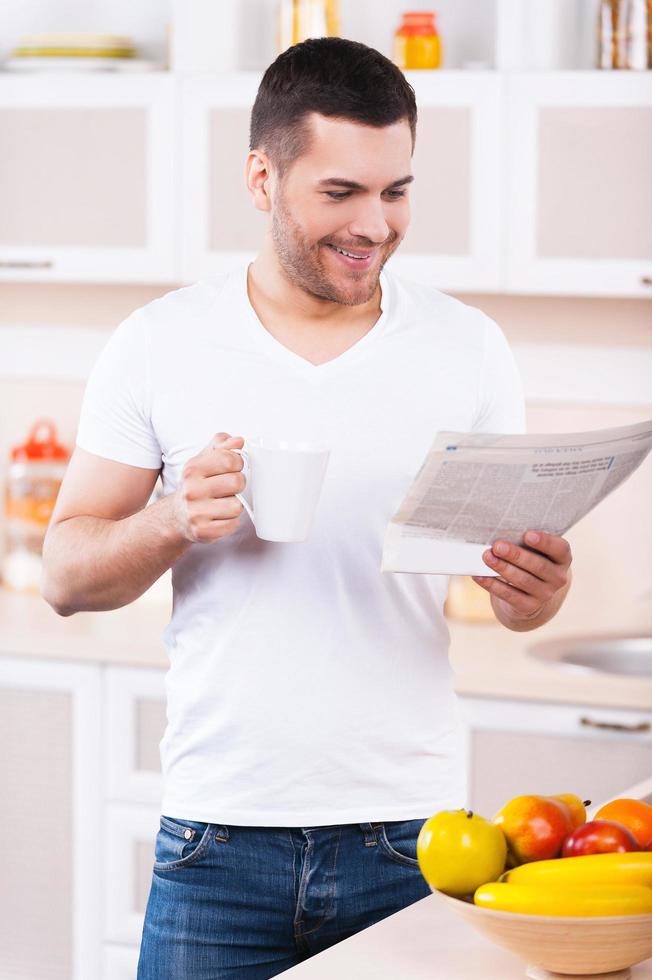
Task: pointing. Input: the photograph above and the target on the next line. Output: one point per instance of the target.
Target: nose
(369, 222)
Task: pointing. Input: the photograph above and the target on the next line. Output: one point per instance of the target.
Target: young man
(311, 715)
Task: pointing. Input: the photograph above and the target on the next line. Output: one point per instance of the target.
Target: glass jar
(610, 48)
(36, 469)
(300, 19)
(638, 35)
(468, 602)
(417, 44)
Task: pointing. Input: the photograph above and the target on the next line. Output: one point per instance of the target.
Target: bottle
(610, 53)
(35, 473)
(417, 43)
(468, 602)
(638, 34)
(300, 19)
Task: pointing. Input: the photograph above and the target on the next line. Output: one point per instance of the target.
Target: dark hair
(331, 76)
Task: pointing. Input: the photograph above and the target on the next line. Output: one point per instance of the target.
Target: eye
(394, 195)
(338, 195)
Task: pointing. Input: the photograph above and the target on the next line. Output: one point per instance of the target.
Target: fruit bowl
(557, 947)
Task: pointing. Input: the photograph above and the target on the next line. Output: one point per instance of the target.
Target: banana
(630, 868)
(565, 901)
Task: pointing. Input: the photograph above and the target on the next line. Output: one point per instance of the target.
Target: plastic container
(36, 470)
(417, 44)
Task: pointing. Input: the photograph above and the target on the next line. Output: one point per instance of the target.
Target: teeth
(350, 254)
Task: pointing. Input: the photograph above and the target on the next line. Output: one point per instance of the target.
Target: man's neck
(317, 330)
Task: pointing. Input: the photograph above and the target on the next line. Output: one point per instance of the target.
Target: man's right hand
(205, 505)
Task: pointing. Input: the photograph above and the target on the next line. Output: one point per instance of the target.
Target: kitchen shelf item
(34, 478)
(638, 34)
(74, 44)
(300, 19)
(610, 48)
(468, 602)
(417, 44)
(564, 947)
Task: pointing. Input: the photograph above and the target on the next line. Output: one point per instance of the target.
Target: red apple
(599, 837)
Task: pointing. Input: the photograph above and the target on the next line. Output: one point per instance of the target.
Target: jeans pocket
(180, 843)
(398, 840)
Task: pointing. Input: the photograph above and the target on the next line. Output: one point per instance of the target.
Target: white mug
(284, 480)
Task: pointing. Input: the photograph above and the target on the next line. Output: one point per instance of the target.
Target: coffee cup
(284, 480)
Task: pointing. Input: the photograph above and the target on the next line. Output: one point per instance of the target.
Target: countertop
(428, 941)
(488, 660)
(425, 941)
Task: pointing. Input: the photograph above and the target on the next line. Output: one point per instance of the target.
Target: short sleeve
(115, 419)
(500, 405)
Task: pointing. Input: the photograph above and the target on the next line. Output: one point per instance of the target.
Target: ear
(258, 177)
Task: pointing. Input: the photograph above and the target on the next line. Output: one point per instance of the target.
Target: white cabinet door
(128, 859)
(120, 962)
(579, 188)
(455, 236)
(221, 227)
(521, 747)
(135, 718)
(87, 178)
(50, 820)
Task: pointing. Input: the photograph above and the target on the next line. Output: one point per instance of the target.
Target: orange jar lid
(418, 22)
(41, 444)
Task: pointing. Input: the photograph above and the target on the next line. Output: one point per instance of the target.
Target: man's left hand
(531, 578)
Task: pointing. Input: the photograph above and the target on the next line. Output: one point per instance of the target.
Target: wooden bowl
(556, 946)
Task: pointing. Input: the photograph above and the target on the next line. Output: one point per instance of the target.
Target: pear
(576, 807)
(535, 827)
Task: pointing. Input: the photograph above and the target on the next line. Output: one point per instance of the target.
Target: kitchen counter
(488, 660)
(428, 941)
(425, 941)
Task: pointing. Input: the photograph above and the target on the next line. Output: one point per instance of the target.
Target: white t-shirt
(305, 687)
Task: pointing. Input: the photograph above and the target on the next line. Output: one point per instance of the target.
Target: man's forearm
(506, 615)
(90, 563)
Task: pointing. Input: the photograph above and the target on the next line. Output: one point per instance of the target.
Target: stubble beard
(302, 264)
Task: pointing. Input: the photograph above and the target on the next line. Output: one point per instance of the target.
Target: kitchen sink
(629, 655)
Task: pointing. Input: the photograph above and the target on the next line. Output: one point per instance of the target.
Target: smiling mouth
(351, 255)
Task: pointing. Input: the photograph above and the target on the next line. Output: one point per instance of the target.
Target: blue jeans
(247, 903)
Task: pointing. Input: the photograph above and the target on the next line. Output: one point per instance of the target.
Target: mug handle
(245, 460)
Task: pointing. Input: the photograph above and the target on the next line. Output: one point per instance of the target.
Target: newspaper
(474, 488)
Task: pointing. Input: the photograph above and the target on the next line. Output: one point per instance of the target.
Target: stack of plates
(75, 51)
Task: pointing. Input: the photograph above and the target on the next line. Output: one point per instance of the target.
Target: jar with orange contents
(417, 43)
(34, 477)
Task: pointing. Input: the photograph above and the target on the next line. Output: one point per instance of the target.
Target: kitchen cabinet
(517, 747)
(50, 819)
(455, 236)
(82, 778)
(525, 183)
(134, 713)
(88, 186)
(580, 196)
(221, 227)
(120, 962)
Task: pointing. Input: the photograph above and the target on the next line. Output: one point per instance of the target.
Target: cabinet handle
(646, 280)
(617, 726)
(25, 264)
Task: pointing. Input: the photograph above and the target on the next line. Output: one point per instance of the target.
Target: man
(311, 715)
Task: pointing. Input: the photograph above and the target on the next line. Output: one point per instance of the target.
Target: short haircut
(333, 77)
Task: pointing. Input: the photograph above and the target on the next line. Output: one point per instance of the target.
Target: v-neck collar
(280, 352)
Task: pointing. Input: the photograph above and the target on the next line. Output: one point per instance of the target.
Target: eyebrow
(354, 186)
